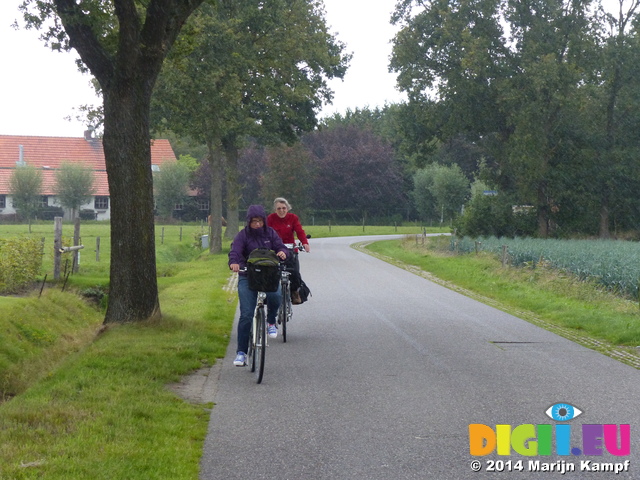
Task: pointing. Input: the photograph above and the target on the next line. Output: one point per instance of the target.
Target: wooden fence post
(97, 249)
(57, 245)
(76, 241)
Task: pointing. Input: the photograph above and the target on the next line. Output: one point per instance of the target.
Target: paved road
(382, 373)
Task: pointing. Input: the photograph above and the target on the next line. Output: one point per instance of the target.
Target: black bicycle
(285, 312)
(258, 338)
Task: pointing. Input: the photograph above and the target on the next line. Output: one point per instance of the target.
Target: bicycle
(285, 312)
(258, 338)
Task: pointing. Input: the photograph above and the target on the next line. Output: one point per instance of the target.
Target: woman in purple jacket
(255, 235)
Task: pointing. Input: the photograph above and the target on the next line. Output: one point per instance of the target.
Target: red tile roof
(48, 153)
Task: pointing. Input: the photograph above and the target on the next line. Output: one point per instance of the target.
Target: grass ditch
(87, 401)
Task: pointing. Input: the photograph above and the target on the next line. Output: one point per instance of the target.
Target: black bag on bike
(262, 270)
(304, 291)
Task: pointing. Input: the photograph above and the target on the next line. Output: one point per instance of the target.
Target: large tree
(355, 173)
(257, 68)
(615, 116)
(288, 174)
(506, 76)
(123, 43)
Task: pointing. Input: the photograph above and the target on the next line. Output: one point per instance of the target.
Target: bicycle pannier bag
(262, 270)
(304, 291)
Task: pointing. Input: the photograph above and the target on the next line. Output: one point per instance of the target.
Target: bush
(494, 215)
(20, 263)
(87, 214)
(190, 212)
(49, 213)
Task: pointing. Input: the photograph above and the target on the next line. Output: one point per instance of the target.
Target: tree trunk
(215, 227)
(133, 291)
(605, 232)
(233, 188)
(127, 71)
(543, 212)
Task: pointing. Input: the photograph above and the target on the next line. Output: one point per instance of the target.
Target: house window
(179, 206)
(3, 201)
(203, 204)
(44, 201)
(101, 203)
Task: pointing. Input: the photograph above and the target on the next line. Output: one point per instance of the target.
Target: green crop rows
(611, 263)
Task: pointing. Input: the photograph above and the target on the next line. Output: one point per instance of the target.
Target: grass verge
(578, 310)
(103, 411)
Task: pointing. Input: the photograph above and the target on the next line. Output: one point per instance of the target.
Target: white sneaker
(272, 331)
(241, 360)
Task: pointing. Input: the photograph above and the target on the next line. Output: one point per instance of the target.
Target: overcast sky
(39, 88)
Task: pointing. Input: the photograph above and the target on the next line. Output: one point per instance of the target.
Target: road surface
(384, 371)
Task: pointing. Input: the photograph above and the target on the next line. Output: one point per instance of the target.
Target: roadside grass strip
(625, 354)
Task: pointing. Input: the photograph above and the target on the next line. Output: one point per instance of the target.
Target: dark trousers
(293, 266)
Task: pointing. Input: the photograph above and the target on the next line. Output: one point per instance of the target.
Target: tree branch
(84, 40)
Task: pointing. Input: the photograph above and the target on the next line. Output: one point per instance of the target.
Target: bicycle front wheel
(251, 354)
(261, 344)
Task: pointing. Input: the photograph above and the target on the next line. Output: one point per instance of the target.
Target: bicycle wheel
(285, 309)
(261, 344)
(251, 357)
(251, 352)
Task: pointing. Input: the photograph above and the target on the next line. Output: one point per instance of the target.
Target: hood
(256, 211)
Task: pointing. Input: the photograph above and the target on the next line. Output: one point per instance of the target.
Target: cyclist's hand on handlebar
(282, 255)
(306, 247)
(234, 267)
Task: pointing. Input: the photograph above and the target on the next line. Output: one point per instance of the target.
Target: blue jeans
(248, 299)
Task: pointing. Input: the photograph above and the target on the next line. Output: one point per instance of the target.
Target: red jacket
(286, 226)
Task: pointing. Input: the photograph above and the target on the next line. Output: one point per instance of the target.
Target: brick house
(48, 153)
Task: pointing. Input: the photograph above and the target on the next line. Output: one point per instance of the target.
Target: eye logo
(563, 412)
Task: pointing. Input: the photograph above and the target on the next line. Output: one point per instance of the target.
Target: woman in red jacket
(286, 224)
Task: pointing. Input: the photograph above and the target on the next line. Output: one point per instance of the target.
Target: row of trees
(543, 96)
(73, 187)
(341, 174)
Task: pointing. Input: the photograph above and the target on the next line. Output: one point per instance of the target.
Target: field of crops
(612, 263)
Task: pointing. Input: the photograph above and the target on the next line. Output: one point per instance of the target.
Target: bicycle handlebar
(296, 246)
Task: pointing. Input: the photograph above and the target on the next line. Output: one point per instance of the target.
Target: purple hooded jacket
(248, 239)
